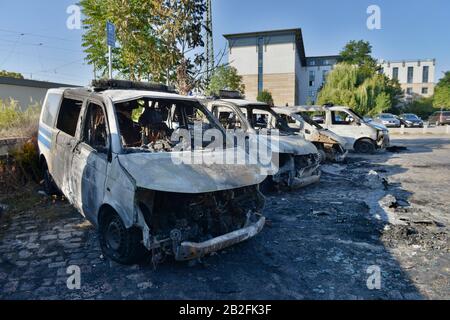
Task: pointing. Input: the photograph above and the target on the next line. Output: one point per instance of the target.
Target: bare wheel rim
(113, 236)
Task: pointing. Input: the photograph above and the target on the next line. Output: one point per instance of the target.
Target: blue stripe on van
(42, 139)
(45, 132)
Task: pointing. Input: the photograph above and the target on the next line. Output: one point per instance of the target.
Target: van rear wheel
(365, 146)
(49, 184)
(119, 243)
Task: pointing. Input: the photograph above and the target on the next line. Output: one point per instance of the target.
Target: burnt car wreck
(110, 150)
(331, 147)
(297, 160)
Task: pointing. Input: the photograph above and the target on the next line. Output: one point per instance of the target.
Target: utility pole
(209, 41)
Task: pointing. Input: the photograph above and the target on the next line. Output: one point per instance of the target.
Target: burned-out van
(359, 134)
(298, 160)
(331, 147)
(110, 149)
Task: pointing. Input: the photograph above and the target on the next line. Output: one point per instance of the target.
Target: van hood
(167, 173)
(293, 144)
(330, 134)
(377, 125)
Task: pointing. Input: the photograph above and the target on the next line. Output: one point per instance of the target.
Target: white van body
(298, 159)
(344, 122)
(327, 142)
(83, 154)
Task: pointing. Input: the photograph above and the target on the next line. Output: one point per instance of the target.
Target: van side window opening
(148, 124)
(227, 117)
(341, 118)
(68, 116)
(51, 109)
(265, 118)
(95, 132)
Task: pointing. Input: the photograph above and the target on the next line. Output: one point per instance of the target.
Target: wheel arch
(364, 139)
(108, 208)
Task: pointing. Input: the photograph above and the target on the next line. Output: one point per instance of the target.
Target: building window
(395, 73)
(326, 62)
(409, 91)
(312, 62)
(410, 74)
(260, 64)
(425, 90)
(425, 74)
(312, 93)
(312, 78)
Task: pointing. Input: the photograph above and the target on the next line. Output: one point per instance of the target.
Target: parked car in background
(440, 118)
(389, 120)
(331, 146)
(120, 174)
(410, 120)
(359, 135)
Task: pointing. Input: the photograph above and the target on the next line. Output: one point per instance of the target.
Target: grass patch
(15, 123)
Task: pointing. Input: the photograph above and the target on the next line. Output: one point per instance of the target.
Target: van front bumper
(193, 250)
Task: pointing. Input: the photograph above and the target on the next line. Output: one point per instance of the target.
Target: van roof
(122, 95)
(243, 102)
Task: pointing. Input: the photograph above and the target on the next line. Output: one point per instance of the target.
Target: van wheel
(267, 186)
(365, 146)
(119, 243)
(49, 184)
(322, 155)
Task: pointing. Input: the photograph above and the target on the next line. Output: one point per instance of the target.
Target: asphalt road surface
(374, 228)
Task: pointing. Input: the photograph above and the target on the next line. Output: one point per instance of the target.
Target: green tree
(423, 107)
(154, 38)
(353, 86)
(442, 93)
(359, 53)
(225, 78)
(4, 73)
(266, 97)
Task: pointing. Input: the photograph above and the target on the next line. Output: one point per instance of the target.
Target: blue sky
(34, 38)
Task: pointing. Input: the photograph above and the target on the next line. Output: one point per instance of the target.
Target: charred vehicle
(110, 149)
(360, 135)
(331, 147)
(298, 160)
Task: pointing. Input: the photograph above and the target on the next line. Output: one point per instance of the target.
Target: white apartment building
(416, 77)
(313, 76)
(276, 61)
(269, 60)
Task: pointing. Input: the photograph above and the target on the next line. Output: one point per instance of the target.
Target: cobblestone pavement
(318, 244)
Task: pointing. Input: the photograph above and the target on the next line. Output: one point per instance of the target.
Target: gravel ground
(386, 212)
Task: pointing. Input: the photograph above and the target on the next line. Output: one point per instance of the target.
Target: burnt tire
(267, 186)
(119, 243)
(322, 155)
(365, 146)
(49, 184)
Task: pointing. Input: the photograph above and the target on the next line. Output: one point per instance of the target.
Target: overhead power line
(34, 35)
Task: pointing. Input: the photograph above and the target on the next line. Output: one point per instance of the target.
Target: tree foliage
(225, 78)
(16, 75)
(156, 38)
(442, 93)
(359, 53)
(266, 97)
(369, 93)
(423, 107)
